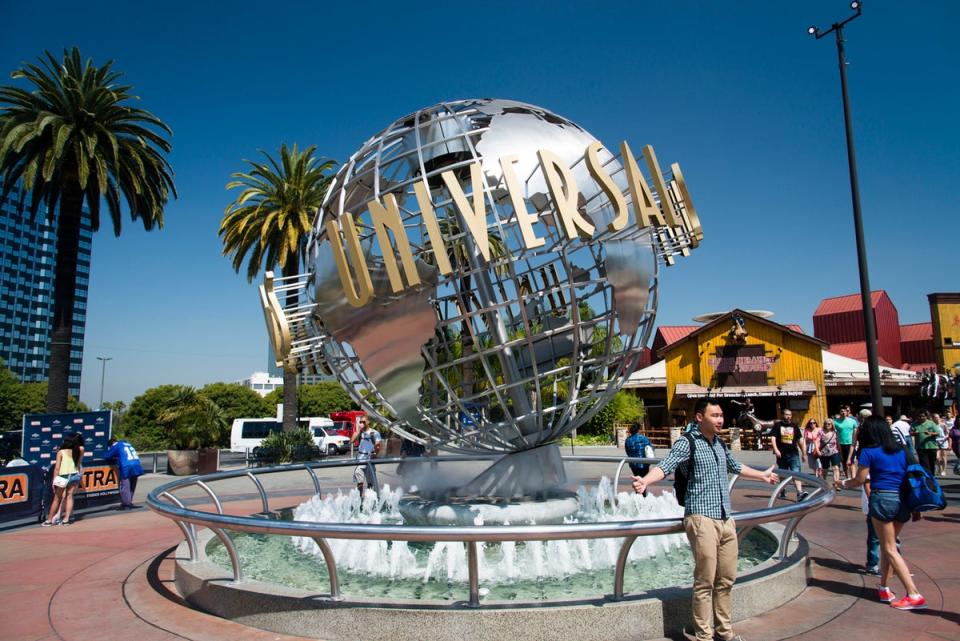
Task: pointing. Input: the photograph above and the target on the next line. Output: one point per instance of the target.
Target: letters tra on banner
(20, 491)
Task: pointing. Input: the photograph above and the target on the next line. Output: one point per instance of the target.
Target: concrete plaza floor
(109, 575)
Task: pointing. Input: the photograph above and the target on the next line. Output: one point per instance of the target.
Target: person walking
(955, 443)
(128, 464)
(367, 441)
(638, 446)
(846, 427)
(925, 433)
(66, 480)
(943, 442)
(708, 517)
(884, 461)
(811, 440)
(830, 451)
(788, 447)
(902, 431)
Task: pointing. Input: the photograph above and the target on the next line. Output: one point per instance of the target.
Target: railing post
(622, 567)
(474, 576)
(264, 502)
(231, 550)
(787, 535)
(188, 529)
(773, 495)
(313, 477)
(213, 495)
(331, 562)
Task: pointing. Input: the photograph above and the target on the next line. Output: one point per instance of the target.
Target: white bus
(247, 434)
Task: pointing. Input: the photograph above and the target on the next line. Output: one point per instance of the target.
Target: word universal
(666, 208)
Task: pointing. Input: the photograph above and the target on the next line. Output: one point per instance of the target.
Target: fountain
(482, 278)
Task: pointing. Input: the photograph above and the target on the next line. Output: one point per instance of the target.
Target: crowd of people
(862, 451)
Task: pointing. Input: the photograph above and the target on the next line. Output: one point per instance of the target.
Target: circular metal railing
(163, 501)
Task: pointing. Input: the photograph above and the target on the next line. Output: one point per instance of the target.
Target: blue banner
(43, 434)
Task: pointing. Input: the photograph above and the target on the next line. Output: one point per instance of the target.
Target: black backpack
(680, 480)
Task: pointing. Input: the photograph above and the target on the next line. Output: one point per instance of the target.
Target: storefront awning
(790, 388)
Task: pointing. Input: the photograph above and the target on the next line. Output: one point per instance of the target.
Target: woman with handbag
(829, 451)
(66, 479)
(884, 460)
(811, 438)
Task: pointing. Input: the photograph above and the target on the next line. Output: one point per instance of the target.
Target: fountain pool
(508, 571)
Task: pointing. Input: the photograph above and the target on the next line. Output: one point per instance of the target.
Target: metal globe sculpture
(479, 278)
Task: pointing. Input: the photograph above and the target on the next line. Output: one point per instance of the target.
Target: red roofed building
(670, 334)
(916, 346)
(839, 320)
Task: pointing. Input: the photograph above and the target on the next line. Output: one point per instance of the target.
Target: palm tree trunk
(290, 396)
(64, 293)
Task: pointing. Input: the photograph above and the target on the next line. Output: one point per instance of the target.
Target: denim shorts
(790, 462)
(886, 507)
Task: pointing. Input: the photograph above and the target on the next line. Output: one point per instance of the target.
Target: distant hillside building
(27, 255)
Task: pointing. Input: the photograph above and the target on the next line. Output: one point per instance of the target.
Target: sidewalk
(109, 576)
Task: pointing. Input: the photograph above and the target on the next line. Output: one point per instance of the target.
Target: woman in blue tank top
(884, 460)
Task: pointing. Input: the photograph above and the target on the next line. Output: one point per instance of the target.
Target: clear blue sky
(737, 92)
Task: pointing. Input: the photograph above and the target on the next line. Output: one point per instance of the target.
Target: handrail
(822, 495)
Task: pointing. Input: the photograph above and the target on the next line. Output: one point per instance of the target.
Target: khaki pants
(715, 550)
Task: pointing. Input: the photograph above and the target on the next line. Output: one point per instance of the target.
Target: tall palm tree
(74, 139)
(270, 220)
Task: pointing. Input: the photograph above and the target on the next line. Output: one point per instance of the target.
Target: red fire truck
(345, 423)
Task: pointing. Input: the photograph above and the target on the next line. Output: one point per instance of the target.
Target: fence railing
(164, 501)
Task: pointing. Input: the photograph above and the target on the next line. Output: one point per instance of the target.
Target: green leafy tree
(10, 414)
(624, 407)
(73, 138)
(316, 400)
(192, 420)
(269, 222)
(141, 424)
(33, 399)
(119, 408)
(237, 401)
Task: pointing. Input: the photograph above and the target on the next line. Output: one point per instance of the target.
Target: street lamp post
(103, 372)
(876, 396)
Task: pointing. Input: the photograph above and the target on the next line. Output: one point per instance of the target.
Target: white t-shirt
(904, 428)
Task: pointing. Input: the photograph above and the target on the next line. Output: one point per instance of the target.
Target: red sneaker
(886, 595)
(910, 603)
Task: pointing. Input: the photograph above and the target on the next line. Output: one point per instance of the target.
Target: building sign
(741, 365)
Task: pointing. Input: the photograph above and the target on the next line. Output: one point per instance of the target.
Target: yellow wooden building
(740, 355)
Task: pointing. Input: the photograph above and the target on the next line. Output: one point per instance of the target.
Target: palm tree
(192, 420)
(270, 220)
(74, 139)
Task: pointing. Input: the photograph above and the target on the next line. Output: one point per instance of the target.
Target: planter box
(187, 462)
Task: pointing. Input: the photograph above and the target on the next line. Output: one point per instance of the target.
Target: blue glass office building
(27, 253)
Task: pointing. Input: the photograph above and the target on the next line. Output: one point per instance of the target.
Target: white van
(247, 434)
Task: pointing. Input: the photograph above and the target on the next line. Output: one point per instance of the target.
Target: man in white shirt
(903, 427)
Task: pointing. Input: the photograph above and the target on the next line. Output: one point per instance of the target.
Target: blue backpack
(920, 491)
